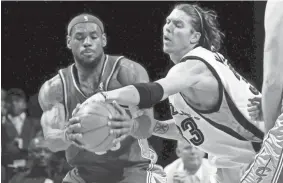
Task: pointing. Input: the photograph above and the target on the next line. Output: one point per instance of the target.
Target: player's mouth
(166, 38)
(87, 52)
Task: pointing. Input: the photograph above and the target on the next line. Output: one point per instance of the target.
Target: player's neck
(177, 56)
(90, 73)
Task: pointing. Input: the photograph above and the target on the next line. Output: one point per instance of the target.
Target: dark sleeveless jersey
(133, 152)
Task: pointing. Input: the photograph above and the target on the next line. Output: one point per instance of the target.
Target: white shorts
(268, 163)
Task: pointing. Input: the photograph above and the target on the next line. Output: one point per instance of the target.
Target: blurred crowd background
(34, 48)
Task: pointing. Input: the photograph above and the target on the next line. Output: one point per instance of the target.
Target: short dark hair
(16, 92)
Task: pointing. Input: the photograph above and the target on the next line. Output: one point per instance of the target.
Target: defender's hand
(254, 109)
(120, 123)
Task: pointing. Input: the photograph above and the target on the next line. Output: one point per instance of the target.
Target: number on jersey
(237, 75)
(190, 124)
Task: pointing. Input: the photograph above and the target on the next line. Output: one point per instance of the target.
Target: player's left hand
(122, 124)
(254, 108)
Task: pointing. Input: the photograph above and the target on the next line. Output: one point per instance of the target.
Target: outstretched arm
(272, 90)
(180, 77)
(142, 123)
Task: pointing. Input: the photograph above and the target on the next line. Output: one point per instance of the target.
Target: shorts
(153, 174)
(268, 163)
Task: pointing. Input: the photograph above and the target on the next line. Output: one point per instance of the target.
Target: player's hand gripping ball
(94, 116)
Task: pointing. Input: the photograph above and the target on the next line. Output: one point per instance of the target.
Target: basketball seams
(101, 112)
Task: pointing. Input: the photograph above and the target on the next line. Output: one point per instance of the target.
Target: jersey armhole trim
(241, 119)
(112, 71)
(220, 85)
(65, 102)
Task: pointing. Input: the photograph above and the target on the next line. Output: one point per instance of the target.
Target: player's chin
(90, 60)
(166, 49)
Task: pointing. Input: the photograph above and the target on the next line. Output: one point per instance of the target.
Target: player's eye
(94, 37)
(79, 37)
(179, 25)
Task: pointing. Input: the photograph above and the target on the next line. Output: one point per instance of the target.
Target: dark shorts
(153, 174)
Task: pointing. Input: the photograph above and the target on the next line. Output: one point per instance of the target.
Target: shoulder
(131, 72)
(51, 93)
(192, 66)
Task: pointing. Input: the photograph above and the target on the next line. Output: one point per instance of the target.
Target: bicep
(53, 118)
(182, 76)
(50, 99)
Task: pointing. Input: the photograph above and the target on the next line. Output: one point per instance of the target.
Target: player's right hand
(254, 108)
(72, 132)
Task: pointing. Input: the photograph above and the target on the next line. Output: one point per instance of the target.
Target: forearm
(167, 129)
(271, 100)
(55, 139)
(127, 95)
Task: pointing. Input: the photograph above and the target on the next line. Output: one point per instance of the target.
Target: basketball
(96, 134)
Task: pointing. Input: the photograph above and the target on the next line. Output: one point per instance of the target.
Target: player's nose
(167, 28)
(87, 41)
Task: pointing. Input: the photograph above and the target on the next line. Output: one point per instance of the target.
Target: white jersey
(226, 133)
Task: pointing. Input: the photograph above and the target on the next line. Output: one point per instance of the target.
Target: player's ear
(68, 41)
(195, 37)
(104, 40)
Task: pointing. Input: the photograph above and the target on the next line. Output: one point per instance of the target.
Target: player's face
(87, 42)
(179, 36)
(191, 156)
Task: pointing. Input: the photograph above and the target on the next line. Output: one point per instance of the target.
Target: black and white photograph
(142, 91)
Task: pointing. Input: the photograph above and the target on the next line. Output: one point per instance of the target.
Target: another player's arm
(272, 90)
(167, 129)
(181, 77)
(53, 118)
(131, 73)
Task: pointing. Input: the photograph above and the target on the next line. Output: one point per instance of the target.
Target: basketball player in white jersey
(268, 164)
(208, 97)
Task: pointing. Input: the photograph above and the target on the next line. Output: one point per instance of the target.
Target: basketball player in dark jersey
(131, 161)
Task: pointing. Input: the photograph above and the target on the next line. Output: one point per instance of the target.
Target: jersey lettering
(172, 109)
(189, 124)
(237, 75)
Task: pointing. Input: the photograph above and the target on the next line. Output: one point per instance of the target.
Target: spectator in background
(3, 136)
(37, 167)
(19, 130)
(3, 106)
(191, 167)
